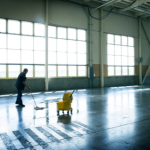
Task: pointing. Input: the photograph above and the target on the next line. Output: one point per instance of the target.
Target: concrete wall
(73, 15)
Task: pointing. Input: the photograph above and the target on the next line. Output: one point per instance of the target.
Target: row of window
(39, 71)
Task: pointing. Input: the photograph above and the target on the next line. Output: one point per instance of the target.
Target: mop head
(39, 108)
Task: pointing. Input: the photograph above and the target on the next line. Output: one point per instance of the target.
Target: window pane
(13, 26)
(52, 71)
(118, 60)
(62, 33)
(51, 31)
(39, 43)
(130, 41)
(39, 57)
(117, 39)
(117, 50)
(52, 58)
(110, 39)
(124, 61)
(2, 71)
(130, 51)
(124, 50)
(39, 29)
(110, 60)
(3, 56)
(14, 41)
(30, 70)
(52, 44)
(27, 42)
(72, 46)
(27, 57)
(81, 70)
(81, 47)
(62, 71)
(82, 35)
(2, 25)
(124, 40)
(124, 71)
(27, 28)
(13, 56)
(72, 70)
(82, 59)
(110, 49)
(131, 61)
(39, 71)
(72, 58)
(61, 58)
(13, 70)
(131, 70)
(61, 45)
(110, 71)
(118, 71)
(2, 40)
(72, 34)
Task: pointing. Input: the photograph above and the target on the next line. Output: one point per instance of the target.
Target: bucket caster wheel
(67, 112)
(71, 111)
(58, 113)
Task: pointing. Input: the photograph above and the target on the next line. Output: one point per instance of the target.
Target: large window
(120, 55)
(23, 46)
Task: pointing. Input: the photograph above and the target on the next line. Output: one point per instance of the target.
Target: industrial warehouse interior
(75, 74)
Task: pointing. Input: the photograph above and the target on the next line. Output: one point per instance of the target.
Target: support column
(140, 64)
(46, 47)
(101, 51)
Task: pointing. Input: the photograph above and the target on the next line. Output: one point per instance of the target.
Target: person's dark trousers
(19, 99)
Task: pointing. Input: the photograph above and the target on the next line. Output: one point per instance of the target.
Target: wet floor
(114, 118)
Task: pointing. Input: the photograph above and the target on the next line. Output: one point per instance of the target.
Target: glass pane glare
(81, 70)
(118, 71)
(52, 71)
(2, 40)
(51, 31)
(39, 43)
(82, 59)
(110, 39)
(51, 57)
(62, 33)
(13, 71)
(27, 28)
(30, 70)
(124, 40)
(131, 61)
(27, 57)
(52, 44)
(72, 70)
(39, 29)
(61, 58)
(117, 50)
(3, 56)
(27, 43)
(72, 34)
(82, 35)
(124, 50)
(39, 71)
(130, 51)
(118, 60)
(110, 49)
(72, 58)
(39, 57)
(110, 71)
(72, 47)
(124, 71)
(110, 60)
(13, 56)
(13, 26)
(2, 71)
(130, 41)
(81, 47)
(2, 25)
(62, 71)
(117, 39)
(61, 45)
(131, 70)
(13, 41)
(124, 61)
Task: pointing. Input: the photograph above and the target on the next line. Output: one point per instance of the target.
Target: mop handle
(72, 93)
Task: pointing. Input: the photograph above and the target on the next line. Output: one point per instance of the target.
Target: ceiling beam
(136, 4)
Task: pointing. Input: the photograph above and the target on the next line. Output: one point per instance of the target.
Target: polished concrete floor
(116, 118)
